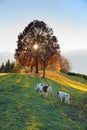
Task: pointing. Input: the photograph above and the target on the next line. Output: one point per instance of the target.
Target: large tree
(36, 45)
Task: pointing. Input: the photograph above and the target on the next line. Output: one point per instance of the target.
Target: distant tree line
(77, 74)
(7, 67)
(61, 64)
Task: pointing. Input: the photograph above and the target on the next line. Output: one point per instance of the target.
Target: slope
(21, 108)
(66, 81)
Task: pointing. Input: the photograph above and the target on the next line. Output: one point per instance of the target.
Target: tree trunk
(44, 68)
(31, 69)
(44, 72)
(36, 65)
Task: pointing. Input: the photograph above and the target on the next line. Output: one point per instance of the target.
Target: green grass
(21, 108)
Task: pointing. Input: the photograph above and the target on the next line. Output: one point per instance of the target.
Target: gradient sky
(67, 18)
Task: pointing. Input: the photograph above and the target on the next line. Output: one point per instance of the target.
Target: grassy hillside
(21, 108)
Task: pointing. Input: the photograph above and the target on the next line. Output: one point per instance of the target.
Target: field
(21, 108)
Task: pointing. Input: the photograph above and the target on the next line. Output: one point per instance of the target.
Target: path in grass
(65, 81)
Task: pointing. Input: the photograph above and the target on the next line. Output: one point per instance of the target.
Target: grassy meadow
(21, 108)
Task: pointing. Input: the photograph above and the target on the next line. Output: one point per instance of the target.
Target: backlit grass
(66, 81)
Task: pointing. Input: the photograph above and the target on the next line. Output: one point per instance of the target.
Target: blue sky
(67, 18)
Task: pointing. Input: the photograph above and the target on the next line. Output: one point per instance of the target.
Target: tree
(7, 66)
(2, 68)
(12, 67)
(38, 34)
(63, 64)
(17, 67)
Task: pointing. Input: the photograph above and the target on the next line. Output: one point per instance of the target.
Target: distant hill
(78, 60)
(4, 56)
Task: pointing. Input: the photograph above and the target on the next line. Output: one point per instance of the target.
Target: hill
(24, 109)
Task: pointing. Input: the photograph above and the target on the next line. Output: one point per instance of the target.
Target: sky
(67, 18)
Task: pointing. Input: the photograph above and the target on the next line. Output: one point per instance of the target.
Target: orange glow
(66, 81)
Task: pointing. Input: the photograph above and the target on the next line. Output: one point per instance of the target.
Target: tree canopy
(38, 34)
